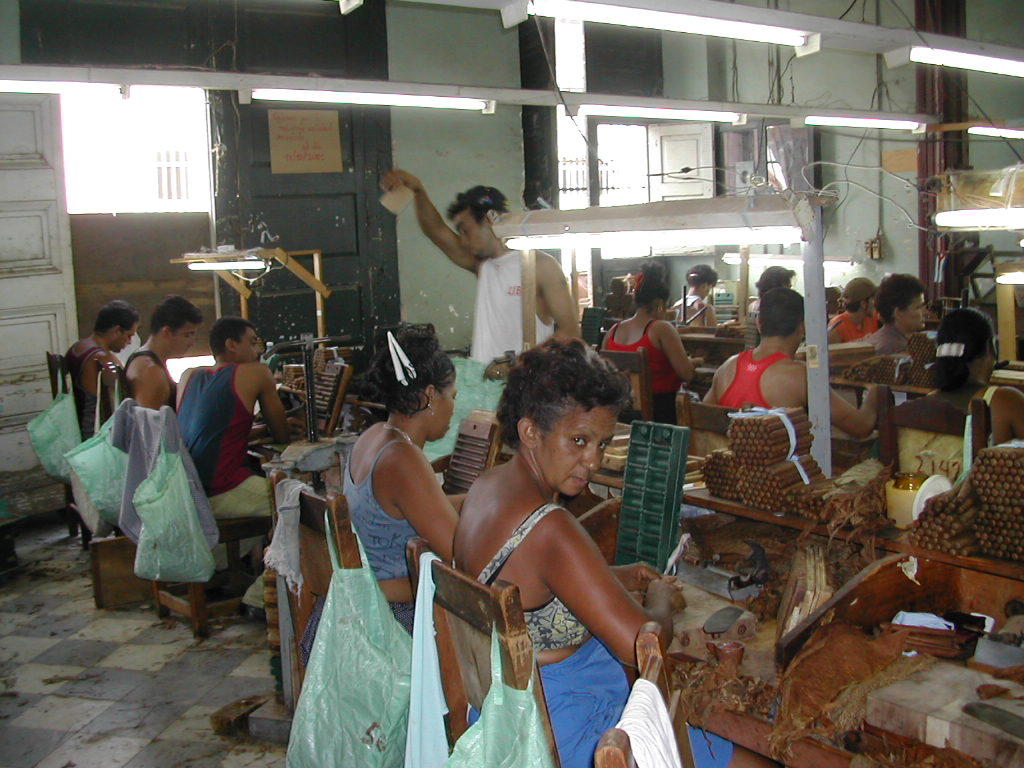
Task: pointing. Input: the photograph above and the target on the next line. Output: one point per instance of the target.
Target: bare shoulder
(548, 268)
(255, 372)
(1008, 397)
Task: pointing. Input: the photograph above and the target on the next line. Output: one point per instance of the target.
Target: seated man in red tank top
(768, 376)
(215, 410)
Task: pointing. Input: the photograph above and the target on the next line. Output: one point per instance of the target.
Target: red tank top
(663, 377)
(746, 384)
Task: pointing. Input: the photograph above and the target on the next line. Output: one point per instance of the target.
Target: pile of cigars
(980, 516)
(909, 369)
(767, 466)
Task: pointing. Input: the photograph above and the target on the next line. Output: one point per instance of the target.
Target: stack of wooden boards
(981, 515)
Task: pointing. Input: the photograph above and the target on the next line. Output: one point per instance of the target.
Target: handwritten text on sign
(304, 141)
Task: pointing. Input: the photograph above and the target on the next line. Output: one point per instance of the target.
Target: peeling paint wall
(450, 150)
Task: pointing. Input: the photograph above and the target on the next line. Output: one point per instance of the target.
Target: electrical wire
(880, 196)
(554, 85)
(906, 182)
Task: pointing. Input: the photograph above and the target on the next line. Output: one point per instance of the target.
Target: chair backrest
(315, 559)
(476, 450)
(634, 364)
(590, 325)
(613, 750)
(464, 613)
(113, 388)
(57, 368)
(926, 434)
(708, 424)
(330, 388)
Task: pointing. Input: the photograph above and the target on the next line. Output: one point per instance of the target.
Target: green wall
(450, 150)
(10, 37)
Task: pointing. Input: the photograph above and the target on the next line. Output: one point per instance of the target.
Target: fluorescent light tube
(212, 266)
(974, 61)
(862, 122)
(1011, 278)
(982, 218)
(659, 113)
(992, 130)
(370, 99)
(671, 22)
(662, 239)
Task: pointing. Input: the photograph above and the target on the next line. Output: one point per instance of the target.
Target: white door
(37, 294)
(674, 146)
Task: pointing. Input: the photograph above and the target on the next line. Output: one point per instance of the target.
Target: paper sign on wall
(304, 141)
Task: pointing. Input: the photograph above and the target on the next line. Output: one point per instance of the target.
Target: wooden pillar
(318, 273)
(1006, 312)
(529, 283)
(743, 289)
(819, 407)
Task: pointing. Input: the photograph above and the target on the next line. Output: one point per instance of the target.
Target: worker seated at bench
(112, 330)
(390, 487)
(900, 305)
(215, 410)
(769, 377)
(558, 412)
(669, 364)
(965, 355)
(172, 331)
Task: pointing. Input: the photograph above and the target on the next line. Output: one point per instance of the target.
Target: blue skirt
(586, 694)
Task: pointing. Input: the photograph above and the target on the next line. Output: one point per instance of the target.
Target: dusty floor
(120, 688)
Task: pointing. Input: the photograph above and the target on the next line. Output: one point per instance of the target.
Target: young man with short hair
(858, 318)
(497, 320)
(112, 330)
(768, 376)
(215, 410)
(172, 333)
(900, 304)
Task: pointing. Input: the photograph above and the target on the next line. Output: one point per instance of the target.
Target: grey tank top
(552, 625)
(383, 536)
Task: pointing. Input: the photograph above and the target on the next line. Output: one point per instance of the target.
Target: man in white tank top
(498, 317)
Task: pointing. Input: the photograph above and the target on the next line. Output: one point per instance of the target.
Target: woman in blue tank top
(391, 489)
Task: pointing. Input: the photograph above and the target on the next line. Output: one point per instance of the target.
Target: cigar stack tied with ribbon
(912, 368)
(772, 467)
(982, 515)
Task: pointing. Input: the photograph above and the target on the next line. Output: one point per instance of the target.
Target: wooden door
(37, 296)
(337, 213)
(673, 146)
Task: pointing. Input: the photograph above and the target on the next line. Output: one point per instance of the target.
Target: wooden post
(819, 406)
(743, 289)
(1006, 311)
(529, 283)
(318, 273)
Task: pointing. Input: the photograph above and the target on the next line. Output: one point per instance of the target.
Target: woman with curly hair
(558, 412)
(390, 486)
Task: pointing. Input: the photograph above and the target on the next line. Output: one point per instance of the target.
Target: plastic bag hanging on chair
(171, 544)
(53, 433)
(509, 733)
(98, 470)
(354, 707)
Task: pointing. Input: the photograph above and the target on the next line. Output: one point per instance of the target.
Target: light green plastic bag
(509, 733)
(53, 433)
(171, 544)
(354, 706)
(98, 470)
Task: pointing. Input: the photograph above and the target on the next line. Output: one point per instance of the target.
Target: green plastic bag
(171, 544)
(53, 433)
(509, 733)
(354, 706)
(98, 470)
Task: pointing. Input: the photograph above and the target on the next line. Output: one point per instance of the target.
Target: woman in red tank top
(668, 362)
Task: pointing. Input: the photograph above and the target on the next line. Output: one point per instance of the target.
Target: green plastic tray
(652, 492)
(593, 317)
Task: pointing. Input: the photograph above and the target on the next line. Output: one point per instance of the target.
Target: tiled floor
(110, 689)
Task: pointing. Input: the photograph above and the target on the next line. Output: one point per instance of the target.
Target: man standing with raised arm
(497, 320)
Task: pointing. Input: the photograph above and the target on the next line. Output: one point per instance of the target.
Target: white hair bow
(949, 350)
(403, 368)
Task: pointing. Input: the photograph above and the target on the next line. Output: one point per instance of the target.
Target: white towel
(426, 745)
(283, 553)
(645, 720)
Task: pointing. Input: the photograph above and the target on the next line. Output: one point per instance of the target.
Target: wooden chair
(317, 570)
(464, 613)
(330, 388)
(613, 750)
(708, 424)
(634, 364)
(926, 434)
(476, 450)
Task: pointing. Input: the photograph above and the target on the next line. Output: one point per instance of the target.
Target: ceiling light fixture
(214, 266)
(944, 57)
(671, 22)
(995, 130)
(661, 239)
(981, 218)
(372, 99)
(843, 121)
(659, 113)
(1011, 278)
